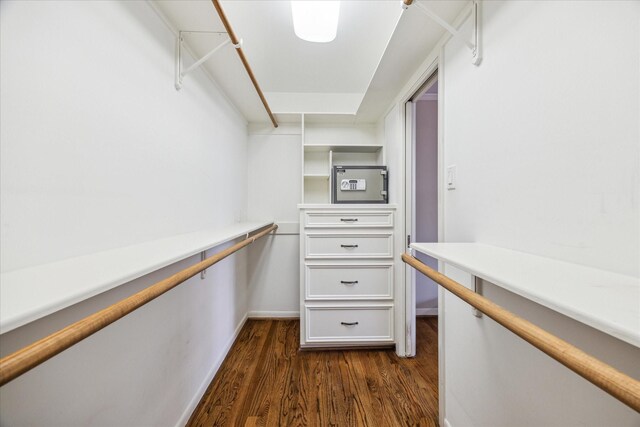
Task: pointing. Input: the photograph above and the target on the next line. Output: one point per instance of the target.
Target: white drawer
(350, 324)
(349, 245)
(349, 281)
(348, 219)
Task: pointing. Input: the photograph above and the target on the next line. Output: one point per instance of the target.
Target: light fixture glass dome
(315, 21)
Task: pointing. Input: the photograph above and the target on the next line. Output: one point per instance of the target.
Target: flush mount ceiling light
(315, 21)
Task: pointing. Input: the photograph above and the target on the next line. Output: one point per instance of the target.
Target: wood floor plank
(229, 387)
(285, 413)
(267, 381)
(258, 399)
(377, 394)
(369, 412)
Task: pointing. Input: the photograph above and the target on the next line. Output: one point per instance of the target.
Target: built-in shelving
(326, 145)
(347, 266)
(320, 159)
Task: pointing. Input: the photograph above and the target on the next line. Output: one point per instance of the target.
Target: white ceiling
(286, 63)
(377, 49)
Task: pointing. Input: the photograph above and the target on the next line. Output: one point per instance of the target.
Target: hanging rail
(236, 42)
(617, 384)
(27, 358)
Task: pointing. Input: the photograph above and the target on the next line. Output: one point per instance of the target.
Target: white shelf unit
(326, 145)
(318, 161)
(346, 250)
(329, 144)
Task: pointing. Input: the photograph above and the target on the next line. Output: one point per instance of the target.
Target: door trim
(436, 65)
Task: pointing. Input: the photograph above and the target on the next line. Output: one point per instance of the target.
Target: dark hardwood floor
(266, 381)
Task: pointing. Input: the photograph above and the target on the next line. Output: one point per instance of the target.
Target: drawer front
(348, 219)
(347, 245)
(349, 282)
(349, 324)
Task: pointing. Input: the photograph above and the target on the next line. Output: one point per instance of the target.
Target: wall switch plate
(451, 177)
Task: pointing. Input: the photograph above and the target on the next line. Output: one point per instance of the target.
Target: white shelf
(606, 301)
(317, 176)
(338, 206)
(32, 293)
(373, 148)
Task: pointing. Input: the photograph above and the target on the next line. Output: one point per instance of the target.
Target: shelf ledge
(31, 293)
(362, 148)
(351, 206)
(606, 301)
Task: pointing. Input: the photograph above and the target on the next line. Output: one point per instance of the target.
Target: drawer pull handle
(348, 246)
(349, 282)
(348, 219)
(349, 323)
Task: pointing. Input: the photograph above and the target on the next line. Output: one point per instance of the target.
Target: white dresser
(346, 275)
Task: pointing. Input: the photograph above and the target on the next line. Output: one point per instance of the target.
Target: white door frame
(408, 122)
(410, 224)
(409, 277)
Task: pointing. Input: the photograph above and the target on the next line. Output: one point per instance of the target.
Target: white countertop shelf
(604, 300)
(31, 293)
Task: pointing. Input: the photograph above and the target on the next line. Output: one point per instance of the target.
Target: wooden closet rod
(27, 358)
(235, 41)
(617, 384)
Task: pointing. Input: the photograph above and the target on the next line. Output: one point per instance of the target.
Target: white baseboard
(184, 418)
(274, 314)
(427, 311)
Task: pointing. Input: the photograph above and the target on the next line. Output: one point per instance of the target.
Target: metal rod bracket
(477, 288)
(476, 16)
(180, 73)
(473, 45)
(203, 273)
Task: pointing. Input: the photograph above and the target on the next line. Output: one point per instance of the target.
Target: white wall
(95, 135)
(274, 191)
(98, 151)
(494, 378)
(426, 198)
(545, 136)
(148, 369)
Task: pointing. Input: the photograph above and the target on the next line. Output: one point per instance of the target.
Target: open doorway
(422, 202)
(426, 193)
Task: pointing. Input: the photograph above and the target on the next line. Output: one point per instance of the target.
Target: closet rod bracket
(474, 45)
(180, 73)
(203, 273)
